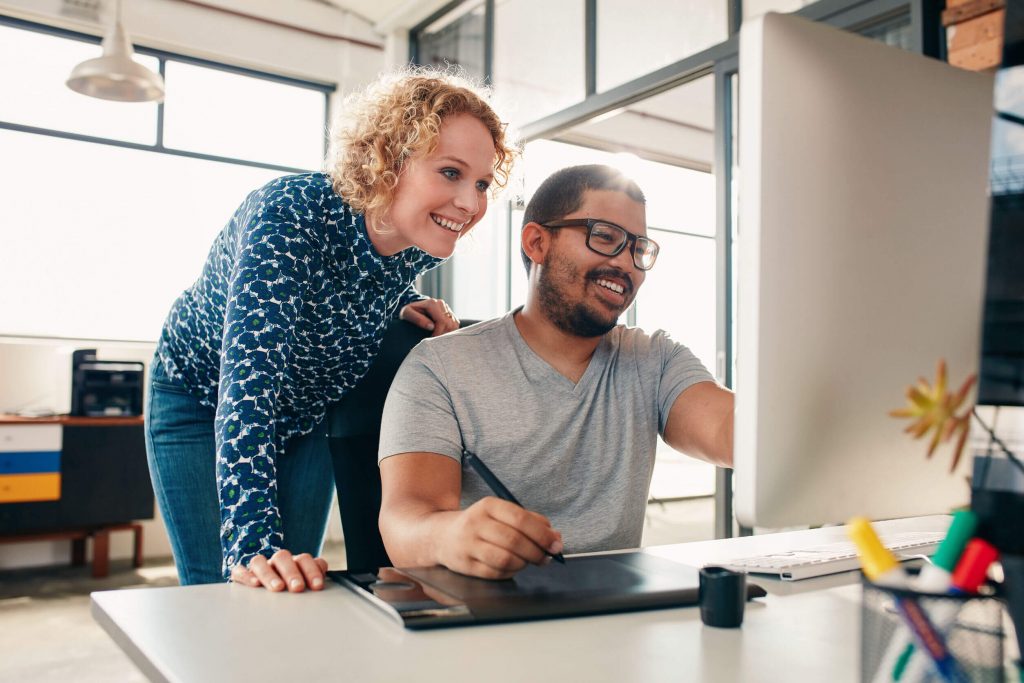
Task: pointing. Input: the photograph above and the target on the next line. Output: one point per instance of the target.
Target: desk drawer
(20, 438)
(25, 488)
(30, 462)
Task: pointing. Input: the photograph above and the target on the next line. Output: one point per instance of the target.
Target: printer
(105, 387)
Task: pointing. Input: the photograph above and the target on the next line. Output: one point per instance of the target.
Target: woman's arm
(267, 283)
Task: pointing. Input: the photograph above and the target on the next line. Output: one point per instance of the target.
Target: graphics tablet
(433, 597)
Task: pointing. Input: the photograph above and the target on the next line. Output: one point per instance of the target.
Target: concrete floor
(47, 633)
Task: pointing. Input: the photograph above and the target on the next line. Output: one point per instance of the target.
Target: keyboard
(833, 558)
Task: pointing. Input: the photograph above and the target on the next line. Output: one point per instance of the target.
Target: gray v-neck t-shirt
(581, 454)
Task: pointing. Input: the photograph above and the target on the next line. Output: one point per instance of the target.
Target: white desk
(803, 631)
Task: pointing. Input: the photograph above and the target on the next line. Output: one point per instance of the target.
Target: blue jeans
(182, 454)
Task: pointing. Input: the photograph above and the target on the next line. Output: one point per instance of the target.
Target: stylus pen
(499, 489)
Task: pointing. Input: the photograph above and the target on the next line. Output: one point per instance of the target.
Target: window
(634, 40)
(107, 216)
(34, 94)
(455, 38)
(553, 78)
(221, 113)
(897, 31)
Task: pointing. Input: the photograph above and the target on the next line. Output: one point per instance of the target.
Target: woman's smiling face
(442, 195)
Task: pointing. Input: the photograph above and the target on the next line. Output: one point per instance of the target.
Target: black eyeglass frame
(631, 238)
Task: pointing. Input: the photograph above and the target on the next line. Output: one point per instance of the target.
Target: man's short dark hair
(562, 193)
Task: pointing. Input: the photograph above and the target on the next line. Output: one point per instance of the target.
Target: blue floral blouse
(285, 318)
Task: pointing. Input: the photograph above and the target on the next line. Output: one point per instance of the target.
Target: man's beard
(573, 318)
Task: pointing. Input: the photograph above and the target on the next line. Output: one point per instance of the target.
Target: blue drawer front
(30, 462)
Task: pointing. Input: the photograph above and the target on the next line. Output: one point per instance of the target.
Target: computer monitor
(862, 241)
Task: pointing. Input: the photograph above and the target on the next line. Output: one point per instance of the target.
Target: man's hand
(421, 523)
(494, 539)
(283, 570)
(430, 314)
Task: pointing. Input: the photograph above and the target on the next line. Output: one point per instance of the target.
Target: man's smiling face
(584, 292)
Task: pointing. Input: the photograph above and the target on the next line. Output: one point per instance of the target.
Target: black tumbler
(723, 593)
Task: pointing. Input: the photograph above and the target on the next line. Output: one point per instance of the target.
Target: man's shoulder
(487, 332)
(636, 340)
(464, 348)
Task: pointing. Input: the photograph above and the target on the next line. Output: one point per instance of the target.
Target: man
(562, 404)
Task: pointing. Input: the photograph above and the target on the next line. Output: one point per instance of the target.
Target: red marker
(973, 566)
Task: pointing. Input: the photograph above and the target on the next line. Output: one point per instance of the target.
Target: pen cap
(973, 566)
(875, 558)
(952, 546)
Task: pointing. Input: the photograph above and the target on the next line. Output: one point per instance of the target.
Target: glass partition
(634, 40)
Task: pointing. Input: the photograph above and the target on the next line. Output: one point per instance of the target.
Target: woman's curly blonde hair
(399, 117)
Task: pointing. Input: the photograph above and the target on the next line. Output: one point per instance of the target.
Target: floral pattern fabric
(286, 317)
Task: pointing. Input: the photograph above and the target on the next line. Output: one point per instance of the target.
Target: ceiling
(400, 12)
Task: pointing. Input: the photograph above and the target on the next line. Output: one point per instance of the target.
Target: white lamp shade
(115, 75)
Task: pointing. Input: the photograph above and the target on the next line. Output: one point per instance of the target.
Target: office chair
(353, 435)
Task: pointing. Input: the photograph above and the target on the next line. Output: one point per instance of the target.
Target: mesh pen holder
(964, 634)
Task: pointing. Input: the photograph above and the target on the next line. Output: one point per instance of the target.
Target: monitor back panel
(862, 241)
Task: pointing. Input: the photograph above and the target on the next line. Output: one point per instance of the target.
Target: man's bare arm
(421, 523)
(700, 423)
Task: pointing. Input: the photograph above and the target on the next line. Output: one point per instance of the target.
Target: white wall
(36, 374)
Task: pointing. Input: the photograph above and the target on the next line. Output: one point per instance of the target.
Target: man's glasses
(609, 239)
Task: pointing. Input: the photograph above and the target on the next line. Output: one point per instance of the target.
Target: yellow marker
(877, 562)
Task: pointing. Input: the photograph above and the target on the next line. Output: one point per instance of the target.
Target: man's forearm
(700, 423)
(723, 456)
(413, 534)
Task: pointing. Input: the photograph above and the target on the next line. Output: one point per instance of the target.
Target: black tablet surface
(431, 597)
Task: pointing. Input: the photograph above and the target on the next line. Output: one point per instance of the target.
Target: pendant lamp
(115, 75)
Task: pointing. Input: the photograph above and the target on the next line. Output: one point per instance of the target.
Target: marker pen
(882, 568)
(878, 564)
(968, 576)
(936, 577)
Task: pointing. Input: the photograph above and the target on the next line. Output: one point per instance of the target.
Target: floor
(48, 634)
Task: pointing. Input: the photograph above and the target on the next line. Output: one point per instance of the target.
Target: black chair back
(353, 434)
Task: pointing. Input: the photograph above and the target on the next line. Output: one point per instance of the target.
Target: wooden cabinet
(64, 473)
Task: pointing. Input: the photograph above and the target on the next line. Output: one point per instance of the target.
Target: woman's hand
(283, 570)
(430, 314)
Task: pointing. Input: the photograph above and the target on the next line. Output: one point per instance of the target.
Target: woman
(288, 314)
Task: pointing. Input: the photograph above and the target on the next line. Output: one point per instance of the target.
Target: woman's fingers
(268, 576)
(411, 313)
(245, 577)
(431, 314)
(286, 567)
(282, 571)
(312, 570)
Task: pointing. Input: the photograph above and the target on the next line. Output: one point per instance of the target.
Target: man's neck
(567, 353)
